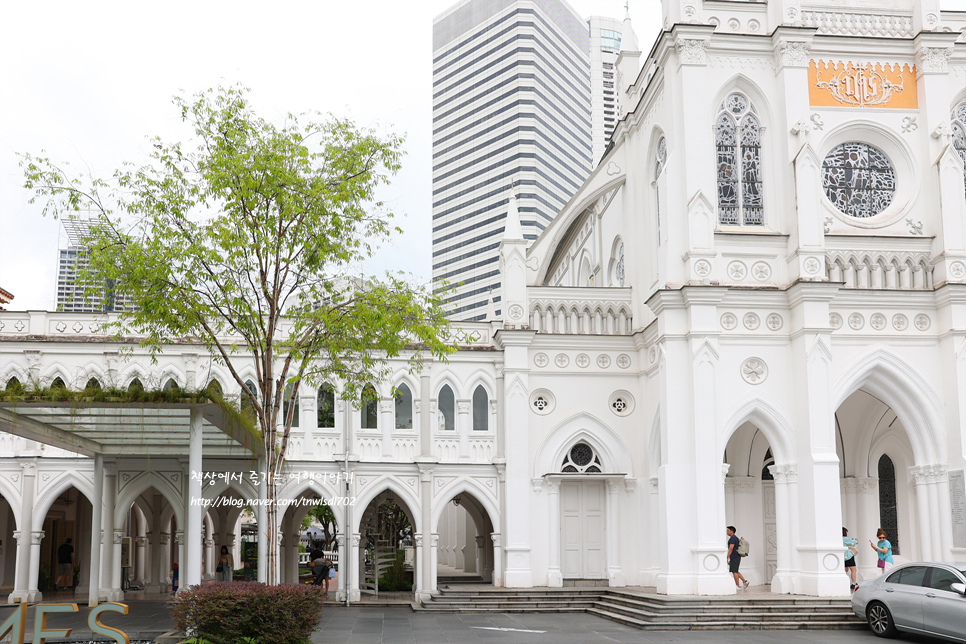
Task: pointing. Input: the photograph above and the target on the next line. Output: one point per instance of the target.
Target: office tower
(605, 44)
(71, 289)
(511, 112)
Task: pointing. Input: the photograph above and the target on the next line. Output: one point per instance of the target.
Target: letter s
(94, 622)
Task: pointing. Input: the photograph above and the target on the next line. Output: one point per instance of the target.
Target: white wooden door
(582, 519)
(770, 540)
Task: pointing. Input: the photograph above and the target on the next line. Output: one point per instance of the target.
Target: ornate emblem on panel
(612, 169)
(562, 360)
(877, 321)
(811, 265)
(761, 271)
(621, 403)
(835, 321)
(541, 360)
(691, 51)
(603, 361)
(751, 321)
(582, 360)
(737, 270)
(849, 84)
(651, 355)
(753, 25)
(623, 361)
(729, 321)
(542, 402)
(915, 227)
(702, 268)
(19, 326)
(754, 371)
(515, 311)
(922, 322)
(856, 321)
(957, 270)
(774, 321)
(909, 124)
(900, 322)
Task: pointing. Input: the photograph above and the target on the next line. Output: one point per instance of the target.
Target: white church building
(753, 312)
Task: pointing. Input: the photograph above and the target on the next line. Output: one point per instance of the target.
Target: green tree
(323, 514)
(245, 240)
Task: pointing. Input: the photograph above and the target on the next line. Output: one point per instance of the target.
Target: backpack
(743, 547)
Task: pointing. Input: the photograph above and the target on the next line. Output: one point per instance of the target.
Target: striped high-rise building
(511, 112)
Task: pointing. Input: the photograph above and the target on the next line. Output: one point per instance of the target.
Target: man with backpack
(734, 558)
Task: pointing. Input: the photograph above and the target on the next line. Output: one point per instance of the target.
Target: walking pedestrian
(850, 552)
(226, 564)
(65, 566)
(734, 559)
(884, 549)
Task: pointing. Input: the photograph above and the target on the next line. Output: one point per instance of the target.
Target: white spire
(512, 229)
(490, 308)
(628, 38)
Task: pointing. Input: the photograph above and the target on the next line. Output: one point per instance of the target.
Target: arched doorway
(66, 530)
(465, 547)
(308, 509)
(384, 553)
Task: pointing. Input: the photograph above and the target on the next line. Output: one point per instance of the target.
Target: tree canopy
(246, 240)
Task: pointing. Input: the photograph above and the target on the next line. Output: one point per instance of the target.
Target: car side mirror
(958, 588)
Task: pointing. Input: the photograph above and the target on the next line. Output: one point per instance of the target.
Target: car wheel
(880, 620)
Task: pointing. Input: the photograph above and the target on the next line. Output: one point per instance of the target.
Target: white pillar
(555, 576)
(107, 554)
(464, 427)
(141, 560)
(935, 531)
(387, 408)
(424, 557)
(179, 538)
(418, 567)
(654, 532)
(94, 559)
(497, 558)
(23, 584)
(343, 555)
(261, 512)
(293, 554)
(190, 573)
(36, 537)
(615, 575)
(922, 505)
(469, 544)
(782, 581)
(116, 593)
(354, 553)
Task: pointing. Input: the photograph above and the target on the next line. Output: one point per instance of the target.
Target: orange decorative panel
(848, 84)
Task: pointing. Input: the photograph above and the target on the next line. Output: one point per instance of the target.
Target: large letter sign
(17, 622)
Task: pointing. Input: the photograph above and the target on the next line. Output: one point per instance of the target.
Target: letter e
(41, 632)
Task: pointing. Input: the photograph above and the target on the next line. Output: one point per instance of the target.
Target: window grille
(737, 132)
(581, 459)
(858, 179)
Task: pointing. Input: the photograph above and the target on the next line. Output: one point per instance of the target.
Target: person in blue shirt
(734, 559)
(884, 548)
(849, 557)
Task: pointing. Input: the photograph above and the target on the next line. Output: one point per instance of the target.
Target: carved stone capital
(655, 484)
(791, 53)
(387, 405)
(356, 539)
(28, 468)
(165, 538)
(190, 360)
(497, 539)
(340, 540)
(536, 484)
(692, 51)
(463, 406)
(630, 484)
(118, 535)
(418, 540)
(16, 535)
(36, 537)
(179, 537)
(425, 474)
(613, 486)
(141, 541)
(787, 473)
(932, 60)
(740, 484)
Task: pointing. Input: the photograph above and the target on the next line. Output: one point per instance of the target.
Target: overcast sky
(87, 82)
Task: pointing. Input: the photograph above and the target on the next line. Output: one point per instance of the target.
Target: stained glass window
(620, 266)
(581, 459)
(737, 137)
(859, 180)
(481, 411)
(888, 515)
(325, 406)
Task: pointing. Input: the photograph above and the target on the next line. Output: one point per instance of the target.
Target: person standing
(884, 549)
(849, 544)
(734, 559)
(65, 566)
(226, 564)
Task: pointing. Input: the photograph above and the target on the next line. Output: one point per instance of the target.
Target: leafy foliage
(228, 613)
(246, 241)
(323, 514)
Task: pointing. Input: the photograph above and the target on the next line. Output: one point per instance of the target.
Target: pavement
(400, 625)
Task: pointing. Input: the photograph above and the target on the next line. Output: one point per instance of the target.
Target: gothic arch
(12, 496)
(481, 377)
(244, 488)
(902, 387)
(57, 370)
(448, 378)
(591, 430)
(748, 87)
(402, 492)
(171, 372)
(56, 487)
(471, 487)
(92, 370)
(138, 485)
(772, 423)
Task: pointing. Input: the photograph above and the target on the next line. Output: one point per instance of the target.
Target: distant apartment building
(511, 114)
(73, 294)
(605, 44)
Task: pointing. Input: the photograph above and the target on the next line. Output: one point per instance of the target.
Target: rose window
(858, 179)
(540, 403)
(581, 459)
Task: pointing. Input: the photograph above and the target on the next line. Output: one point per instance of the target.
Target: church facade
(752, 313)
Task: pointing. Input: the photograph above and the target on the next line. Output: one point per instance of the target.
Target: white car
(925, 598)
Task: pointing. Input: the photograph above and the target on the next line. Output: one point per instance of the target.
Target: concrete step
(699, 617)
(684, 625)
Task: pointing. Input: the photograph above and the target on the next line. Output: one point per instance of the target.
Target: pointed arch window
(326, 406)
(620, 264)
(481, 409)
(248, 409)
(170, 385)
(135, 386)
(291, 398)
(92, 385)
(888, 514)
(581, 459)
(13, 385)
(370, 408)
(404, 407)
(660, 161)
(958, 118)
(446, 408)
(769, 460)
(737, 138)
(58, 383)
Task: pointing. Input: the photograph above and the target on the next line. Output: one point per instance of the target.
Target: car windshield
(942, 579)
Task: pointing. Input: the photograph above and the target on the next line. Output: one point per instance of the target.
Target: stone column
(425, 559)
(654, 532)
(418, 568)
(867, 518)
(434, 556)
(36, 537)
(469, 544)
(293, 554)
(922, 505)
(164, 566)
(341, 593)
(110, 578)
(116, 585)
(782, 581)
(158, 574)
(141, 559)
(555, 576)
(179, 540)
(464, 425)
(936, 475)
(190, 573)
(387, 422)
(354, 554)
(28, 486)
(497, 539)
(615, 574)
(425, 428)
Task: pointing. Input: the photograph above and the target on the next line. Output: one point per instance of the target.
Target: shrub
(228, 613)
